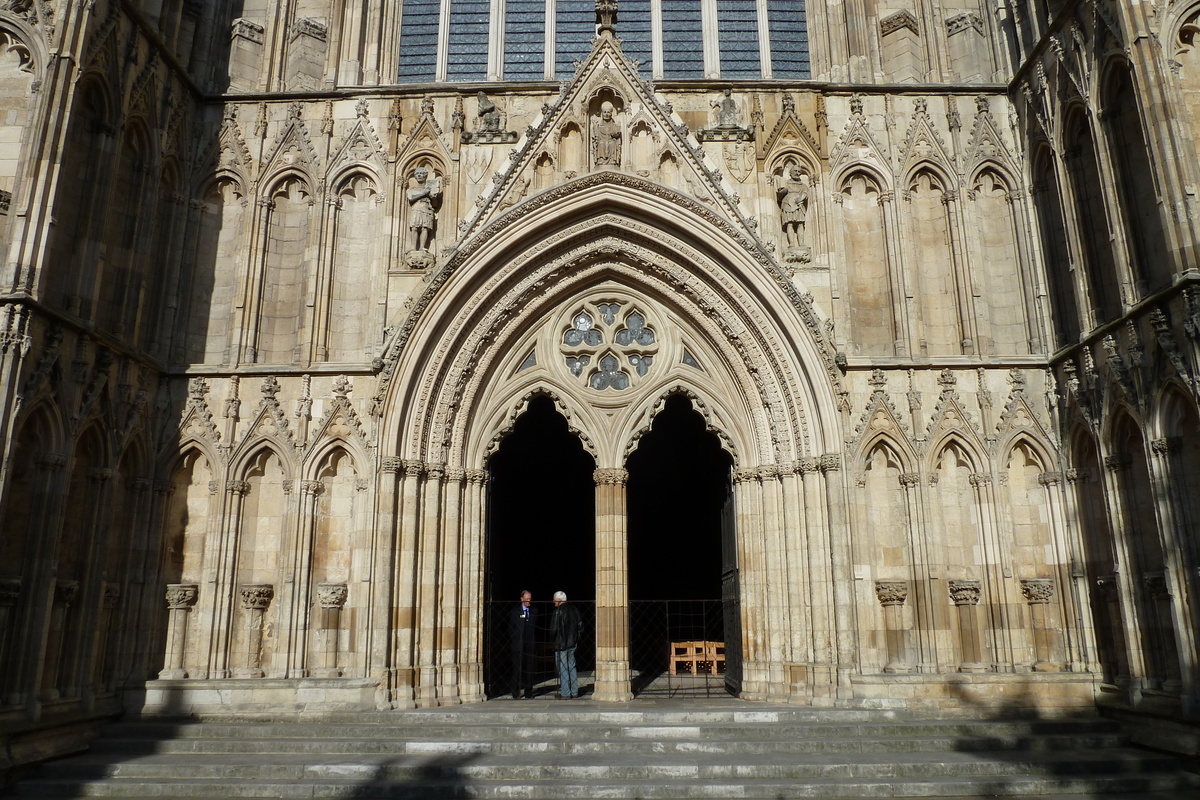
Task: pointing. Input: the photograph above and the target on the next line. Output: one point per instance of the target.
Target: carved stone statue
(727, 110)
(606, 138)
(728, 128)
(489, 115)
(424, 197)
(793, 205)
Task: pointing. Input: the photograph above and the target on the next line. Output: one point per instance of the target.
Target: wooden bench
(697, 656)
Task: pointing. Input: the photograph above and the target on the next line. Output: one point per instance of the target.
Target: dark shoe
(561, 697)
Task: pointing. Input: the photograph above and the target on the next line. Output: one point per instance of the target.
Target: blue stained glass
(737, 28)
(633, 28)
(789, 38)
(418, 40)
(468, 53)
(576, 26)
(525, 39)
(683, 51)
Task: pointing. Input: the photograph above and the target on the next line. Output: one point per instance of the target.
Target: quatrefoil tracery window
(609, 346)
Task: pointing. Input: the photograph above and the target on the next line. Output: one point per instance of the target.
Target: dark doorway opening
(542, 537)
(681, 556)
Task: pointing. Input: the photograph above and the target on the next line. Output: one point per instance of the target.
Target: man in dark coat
(566, 627)
(522, 628)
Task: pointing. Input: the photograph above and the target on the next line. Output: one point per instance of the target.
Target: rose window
(608, 346)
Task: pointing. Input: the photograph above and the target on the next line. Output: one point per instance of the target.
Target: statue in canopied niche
(793, 195)
(424, 198)
(606, 138)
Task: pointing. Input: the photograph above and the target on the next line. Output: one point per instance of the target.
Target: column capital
(831, 462)
(238, 487)
(1156, 585)
(392, 464)
(611, 477)
(1037, 591)
(182, 595)
(312, 488)
(331, 595)
(965, 593)
(256, 596)
(65, 591)
(456, 474)
(891, 593)
(1050, 478)
(806, 464)
(477, 477)
(10, 591)
(1117, 463)
(1107, 587)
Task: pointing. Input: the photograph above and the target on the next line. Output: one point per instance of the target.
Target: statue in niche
(727, 110)
(424, 197)
(488, 130)
(606, 138)
(489, 115)
(792, 193)
(728, 127)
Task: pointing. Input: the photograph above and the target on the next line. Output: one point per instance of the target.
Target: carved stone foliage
(891, 593)
(1037, 591)
(182, 595)
(256, 597)
(331, 595)
(964, 593)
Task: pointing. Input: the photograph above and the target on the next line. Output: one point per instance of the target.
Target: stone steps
(665, 750)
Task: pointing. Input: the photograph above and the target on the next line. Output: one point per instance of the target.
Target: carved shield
(739, 159)
(476, 161)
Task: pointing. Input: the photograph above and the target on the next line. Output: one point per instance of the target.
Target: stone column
(331, 597)
(180, 599)
(612, 588)
(104, 632)
(1038, 593)
(407, 584)
(64, 596)
(751, 560)
(220, 634)
(301, 625)
(1110, 594)
(1160, 596)
(383, 546)
(842, 575)
(470, 612)
(891, 595)
(256, 598)
(10, 593)
(448, 632)
(965, 595)
(427, 586)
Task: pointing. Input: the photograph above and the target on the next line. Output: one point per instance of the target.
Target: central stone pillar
(612, 587)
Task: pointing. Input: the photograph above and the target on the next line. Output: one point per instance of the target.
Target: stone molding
(897, 22)
(10, 591)
(249, 30)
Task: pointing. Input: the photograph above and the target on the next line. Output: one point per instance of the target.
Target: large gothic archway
(606, 296)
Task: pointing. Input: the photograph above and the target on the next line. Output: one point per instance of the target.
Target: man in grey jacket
(566, 627)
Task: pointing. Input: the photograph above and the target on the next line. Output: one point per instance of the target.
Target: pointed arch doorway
(684, 631)
(541, 537)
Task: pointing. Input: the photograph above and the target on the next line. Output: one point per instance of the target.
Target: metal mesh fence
(676, 648)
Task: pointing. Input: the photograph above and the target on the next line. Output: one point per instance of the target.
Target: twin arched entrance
(610, 303)
(681, 565)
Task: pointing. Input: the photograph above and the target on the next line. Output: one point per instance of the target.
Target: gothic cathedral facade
(281, 278)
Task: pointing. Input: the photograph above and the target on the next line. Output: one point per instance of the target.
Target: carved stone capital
(455, 474)
(1156, 585)
(435, 472)
(768, 472)
(611, 477)
(331, 595)
(477, 477)
(51, 462)
(1037, 591)
(805, 465)
(65, 592)
(891, 593)
(1162, 446)
(256, 596)
(1108, 589)
(1117, 463)
(182, 595)
(238, 487)
(1074, 475)
(965, 593)
(745, 475)
(980, 479)
(413, 467)
(10, 591)
(831, 462)
(1050, 478)
(112, 595)
(909, 479)
(392, 464)
(100, 474)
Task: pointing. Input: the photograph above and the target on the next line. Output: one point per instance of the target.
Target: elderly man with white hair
(566, 627)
